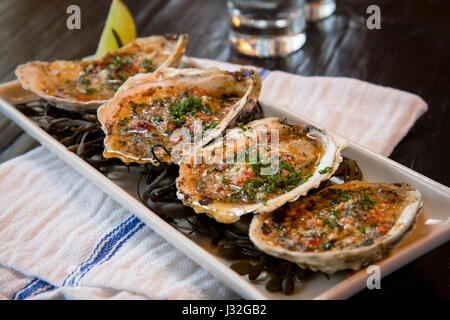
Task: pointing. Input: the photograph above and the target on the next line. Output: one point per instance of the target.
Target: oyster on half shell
(344, 226)
(142, 120)
(84, 85)
(239, 175)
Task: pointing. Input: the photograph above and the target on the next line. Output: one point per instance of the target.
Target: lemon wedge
(119, 29)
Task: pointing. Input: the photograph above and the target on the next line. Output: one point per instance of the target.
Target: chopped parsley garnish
(309, 175)
(326, 170)
(344, 196)
(83, 81)
(336, 213)
(90, 91)
(201, 185)
(125, 129)
(119, 62)
(362, 229)
(263, 201)
(286, 179)
(123, 121)
(148, 65)
(327, 245)
(191, 105)
(212, 125)
(157, 120)
(286, 165)
(368, 201)
(367, 242)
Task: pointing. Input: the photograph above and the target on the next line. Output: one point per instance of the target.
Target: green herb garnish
(148, 65)
(192, 105)
(325, 170)
(327, 245)
(157, 120)
(201, 185)
(90, 91)
(336, 213)
(211, 125)
(368, 201)
(125, 129)
(83, 81)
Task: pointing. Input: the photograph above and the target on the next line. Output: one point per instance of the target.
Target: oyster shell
(226, 190)
(148, 108)
(341, 227)
(86, 84)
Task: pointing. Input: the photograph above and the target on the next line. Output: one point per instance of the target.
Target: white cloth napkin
(373, 116)
(61, 237)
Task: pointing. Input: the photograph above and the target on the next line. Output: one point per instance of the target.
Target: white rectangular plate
(376, 168)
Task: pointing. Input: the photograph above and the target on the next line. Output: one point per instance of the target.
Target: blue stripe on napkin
(103, 251)
(34, 287)
(97, 247)
(263, 73)
(110, 249)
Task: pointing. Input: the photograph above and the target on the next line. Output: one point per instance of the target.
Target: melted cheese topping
(343, 216)
(146, 121)
(251, 176)
(99, 79)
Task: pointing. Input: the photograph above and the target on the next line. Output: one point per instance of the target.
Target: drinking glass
(267, 28)
(316, 10)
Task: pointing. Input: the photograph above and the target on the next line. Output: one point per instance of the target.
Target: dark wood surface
(410, 52)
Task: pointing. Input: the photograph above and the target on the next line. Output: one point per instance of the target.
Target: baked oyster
(250, 171)
(153, 113)
(84, 85)
(344, 226)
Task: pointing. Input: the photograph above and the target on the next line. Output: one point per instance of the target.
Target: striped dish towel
(61, 237)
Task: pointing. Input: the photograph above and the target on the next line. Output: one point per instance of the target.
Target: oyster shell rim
(245, 104)
(343, 259)
(275, 203)
(173, 60)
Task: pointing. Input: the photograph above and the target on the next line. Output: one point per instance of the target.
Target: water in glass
(267, 28)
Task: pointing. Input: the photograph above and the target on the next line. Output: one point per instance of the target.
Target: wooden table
(410, 52)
